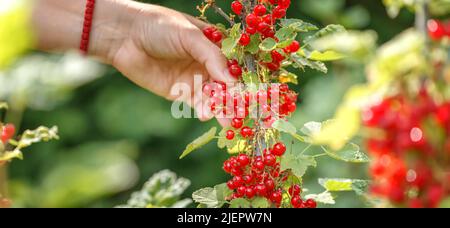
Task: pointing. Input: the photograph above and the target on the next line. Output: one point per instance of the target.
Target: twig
(222, 13)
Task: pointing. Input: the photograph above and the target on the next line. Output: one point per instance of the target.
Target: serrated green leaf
(342, 185)
(260, 202)
(323, 198)
(325, 56)
(349, 153)
(284, 126)
(330, 29)
(265, 57)
(240, 203)
(298, 25)
(212, 197)
(268, 44)
(301, 62)
(286, 33)
(199, 142)
(228, 46)
(253, 46)
(235, 31)
(297, 164)
(311, 128)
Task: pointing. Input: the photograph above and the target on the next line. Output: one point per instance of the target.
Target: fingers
(207, 54)
(198, 23)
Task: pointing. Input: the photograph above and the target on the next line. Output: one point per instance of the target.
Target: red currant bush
(260, 45)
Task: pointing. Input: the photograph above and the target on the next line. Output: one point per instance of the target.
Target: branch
(222, 13)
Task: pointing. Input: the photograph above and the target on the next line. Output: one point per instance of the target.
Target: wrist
(113, 20)
(58, 25)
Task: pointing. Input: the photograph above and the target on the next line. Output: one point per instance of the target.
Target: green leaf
(284, 126)
(239, 203)
(265, 57)
(223, 142)
(240, 146)
(250, 78)
(323, 198)
(253, 46)
(199, 142)
(330, 29)
(288, 77)
(228, 46)
(268, 44)
(349, 153)
(298, 25)
(260, 202)
(311, 128)
(325, 56)
(301, 62)
(297, 164)
(235, 31)
(212, 197)
(445, 203)
(342, 185)
(286, 33)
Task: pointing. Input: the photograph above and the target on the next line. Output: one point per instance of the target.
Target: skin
(153, 46)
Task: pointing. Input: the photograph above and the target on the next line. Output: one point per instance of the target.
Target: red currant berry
(259, 165)
(276, 56)
(270, 160)
(236, 172)
(259, 10)
(227, 167)
(270, 184)
(263, 27)
(279, 12)
(284, 3)
(276, 197)
(291, 107)
(246, 132)
(241, 190)
(230, 135)
(284, 88)
(250, 30)
(208, 31)
(297, 201)
(238, 181)
(436, 29)
(310, 203)
(231, 185)
(237, 7)
(268, 19)
(244, 40)
(244, 160)
(216, 36)
(8, 132)
(252, 20)
(232, 62)
(273, 66)
(250, 192)
(237, 123)
(294, 47)
(279, 149)
(261, 190)
(273, 2)
(295, 190)
(247, 179)
(235, 71)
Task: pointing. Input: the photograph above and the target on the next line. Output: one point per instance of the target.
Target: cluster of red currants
(213, 34)
(260, 176)
(411, 151)
(438, 30)
(7, 132)
(267, 105)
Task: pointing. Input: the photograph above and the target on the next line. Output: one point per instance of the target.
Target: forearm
(58, 25)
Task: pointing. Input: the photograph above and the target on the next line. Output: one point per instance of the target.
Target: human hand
(153, 46)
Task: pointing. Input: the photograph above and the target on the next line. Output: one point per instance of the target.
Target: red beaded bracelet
(87, 25)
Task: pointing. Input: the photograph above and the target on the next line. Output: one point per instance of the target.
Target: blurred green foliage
(112, 131)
